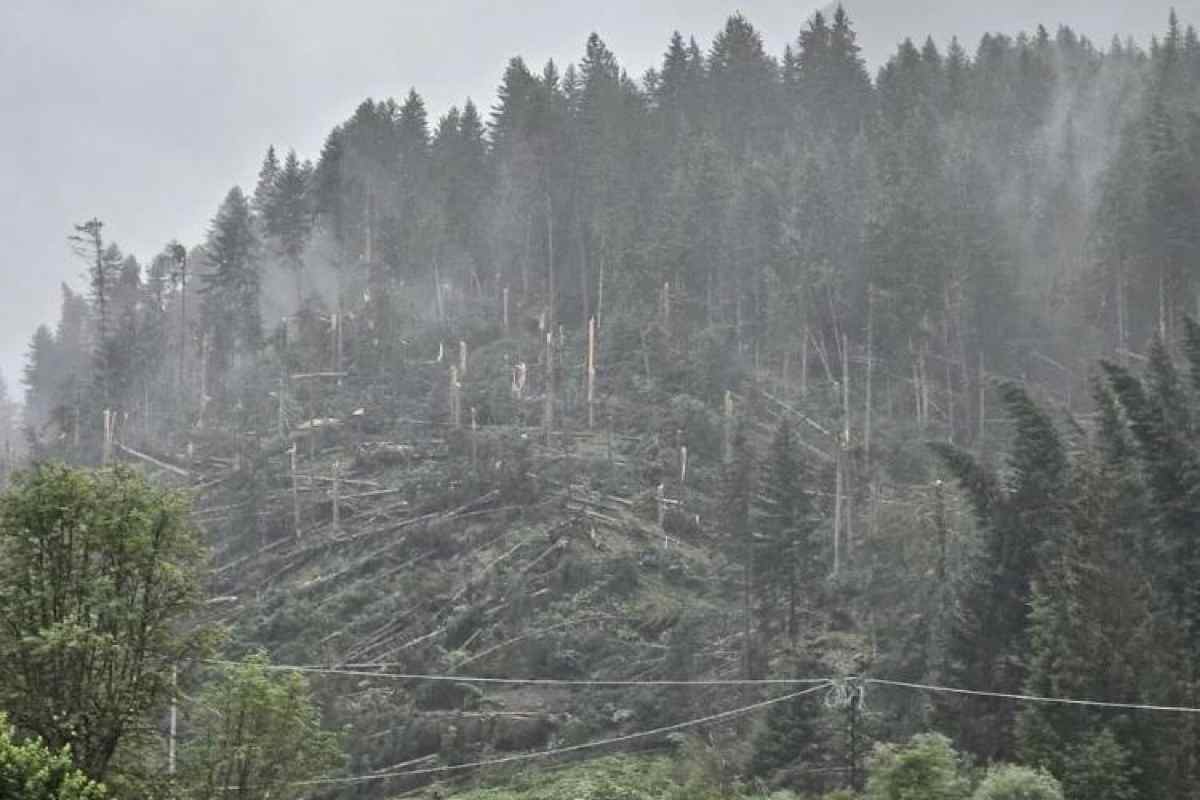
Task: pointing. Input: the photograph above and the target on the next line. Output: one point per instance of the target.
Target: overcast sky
(144, 113)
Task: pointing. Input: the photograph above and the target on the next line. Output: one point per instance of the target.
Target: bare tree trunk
(847, 491)
(504, 318)
(600, 290)
(870, 364)
(455, 401)
(591, 373)
(982, 401)
(727, 448)
(804, 363)
(837, 513)
(548, 408)
(337, 495)
(551, 300)
(1122, 337)
(295, 492)
(437, 292)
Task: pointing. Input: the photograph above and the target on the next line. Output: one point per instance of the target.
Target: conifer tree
(785, 517)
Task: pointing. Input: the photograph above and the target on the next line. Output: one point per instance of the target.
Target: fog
(144, 113)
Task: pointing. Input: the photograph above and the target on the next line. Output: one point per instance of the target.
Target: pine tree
(737, 495)
(1024, 519)
(785, 517)
(231, 290)
(290, 218)
(264, 202)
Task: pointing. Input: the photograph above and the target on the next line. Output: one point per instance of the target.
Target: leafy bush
(1010, 782)
(30, 771)
(926, 768)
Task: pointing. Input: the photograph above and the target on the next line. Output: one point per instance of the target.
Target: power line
(1033, 698)
(561, 750)
(363, 673)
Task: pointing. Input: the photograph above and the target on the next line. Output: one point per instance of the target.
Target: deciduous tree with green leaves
(97, 571)
(31, 771)
(257, 734)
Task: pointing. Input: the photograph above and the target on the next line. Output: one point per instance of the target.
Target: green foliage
(30, 771)
(1008, 782)
(926, 768)
(613, 778)
(791, 734)
(258, 730)
(98, 570)
(1098, 768)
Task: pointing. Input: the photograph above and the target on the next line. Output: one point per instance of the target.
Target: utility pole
(174, 720)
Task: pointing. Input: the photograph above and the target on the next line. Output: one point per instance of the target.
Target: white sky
(145, 112)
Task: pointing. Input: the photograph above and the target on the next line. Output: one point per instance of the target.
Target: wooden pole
(462, 358)
(504, 318)
(591, 373)
(174, 720)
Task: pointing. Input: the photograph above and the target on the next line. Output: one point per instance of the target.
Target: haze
(144, 113)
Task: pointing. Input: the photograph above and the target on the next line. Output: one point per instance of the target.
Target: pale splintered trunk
(982, 400)
(870, 365)
(591, 373)
(337, 495)
(837, 514)
(804, 363)
(551, 299)
(548, 407)
(1122, 331)
(504, 318)
(474, 443)
(337, 341)
(785, 375)
(600, 291)
(437, 292)
(295, 492)
(727, 437)
(848, 508)
(455, 401)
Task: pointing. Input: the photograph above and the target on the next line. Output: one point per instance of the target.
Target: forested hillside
(658, 389)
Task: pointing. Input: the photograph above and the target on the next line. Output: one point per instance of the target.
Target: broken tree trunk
(295, 492)
(727, 437)
(591, 373)
(548, 408)
(870, 365)
(337, 495)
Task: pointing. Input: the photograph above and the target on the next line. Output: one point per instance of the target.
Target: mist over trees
(910, 357)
